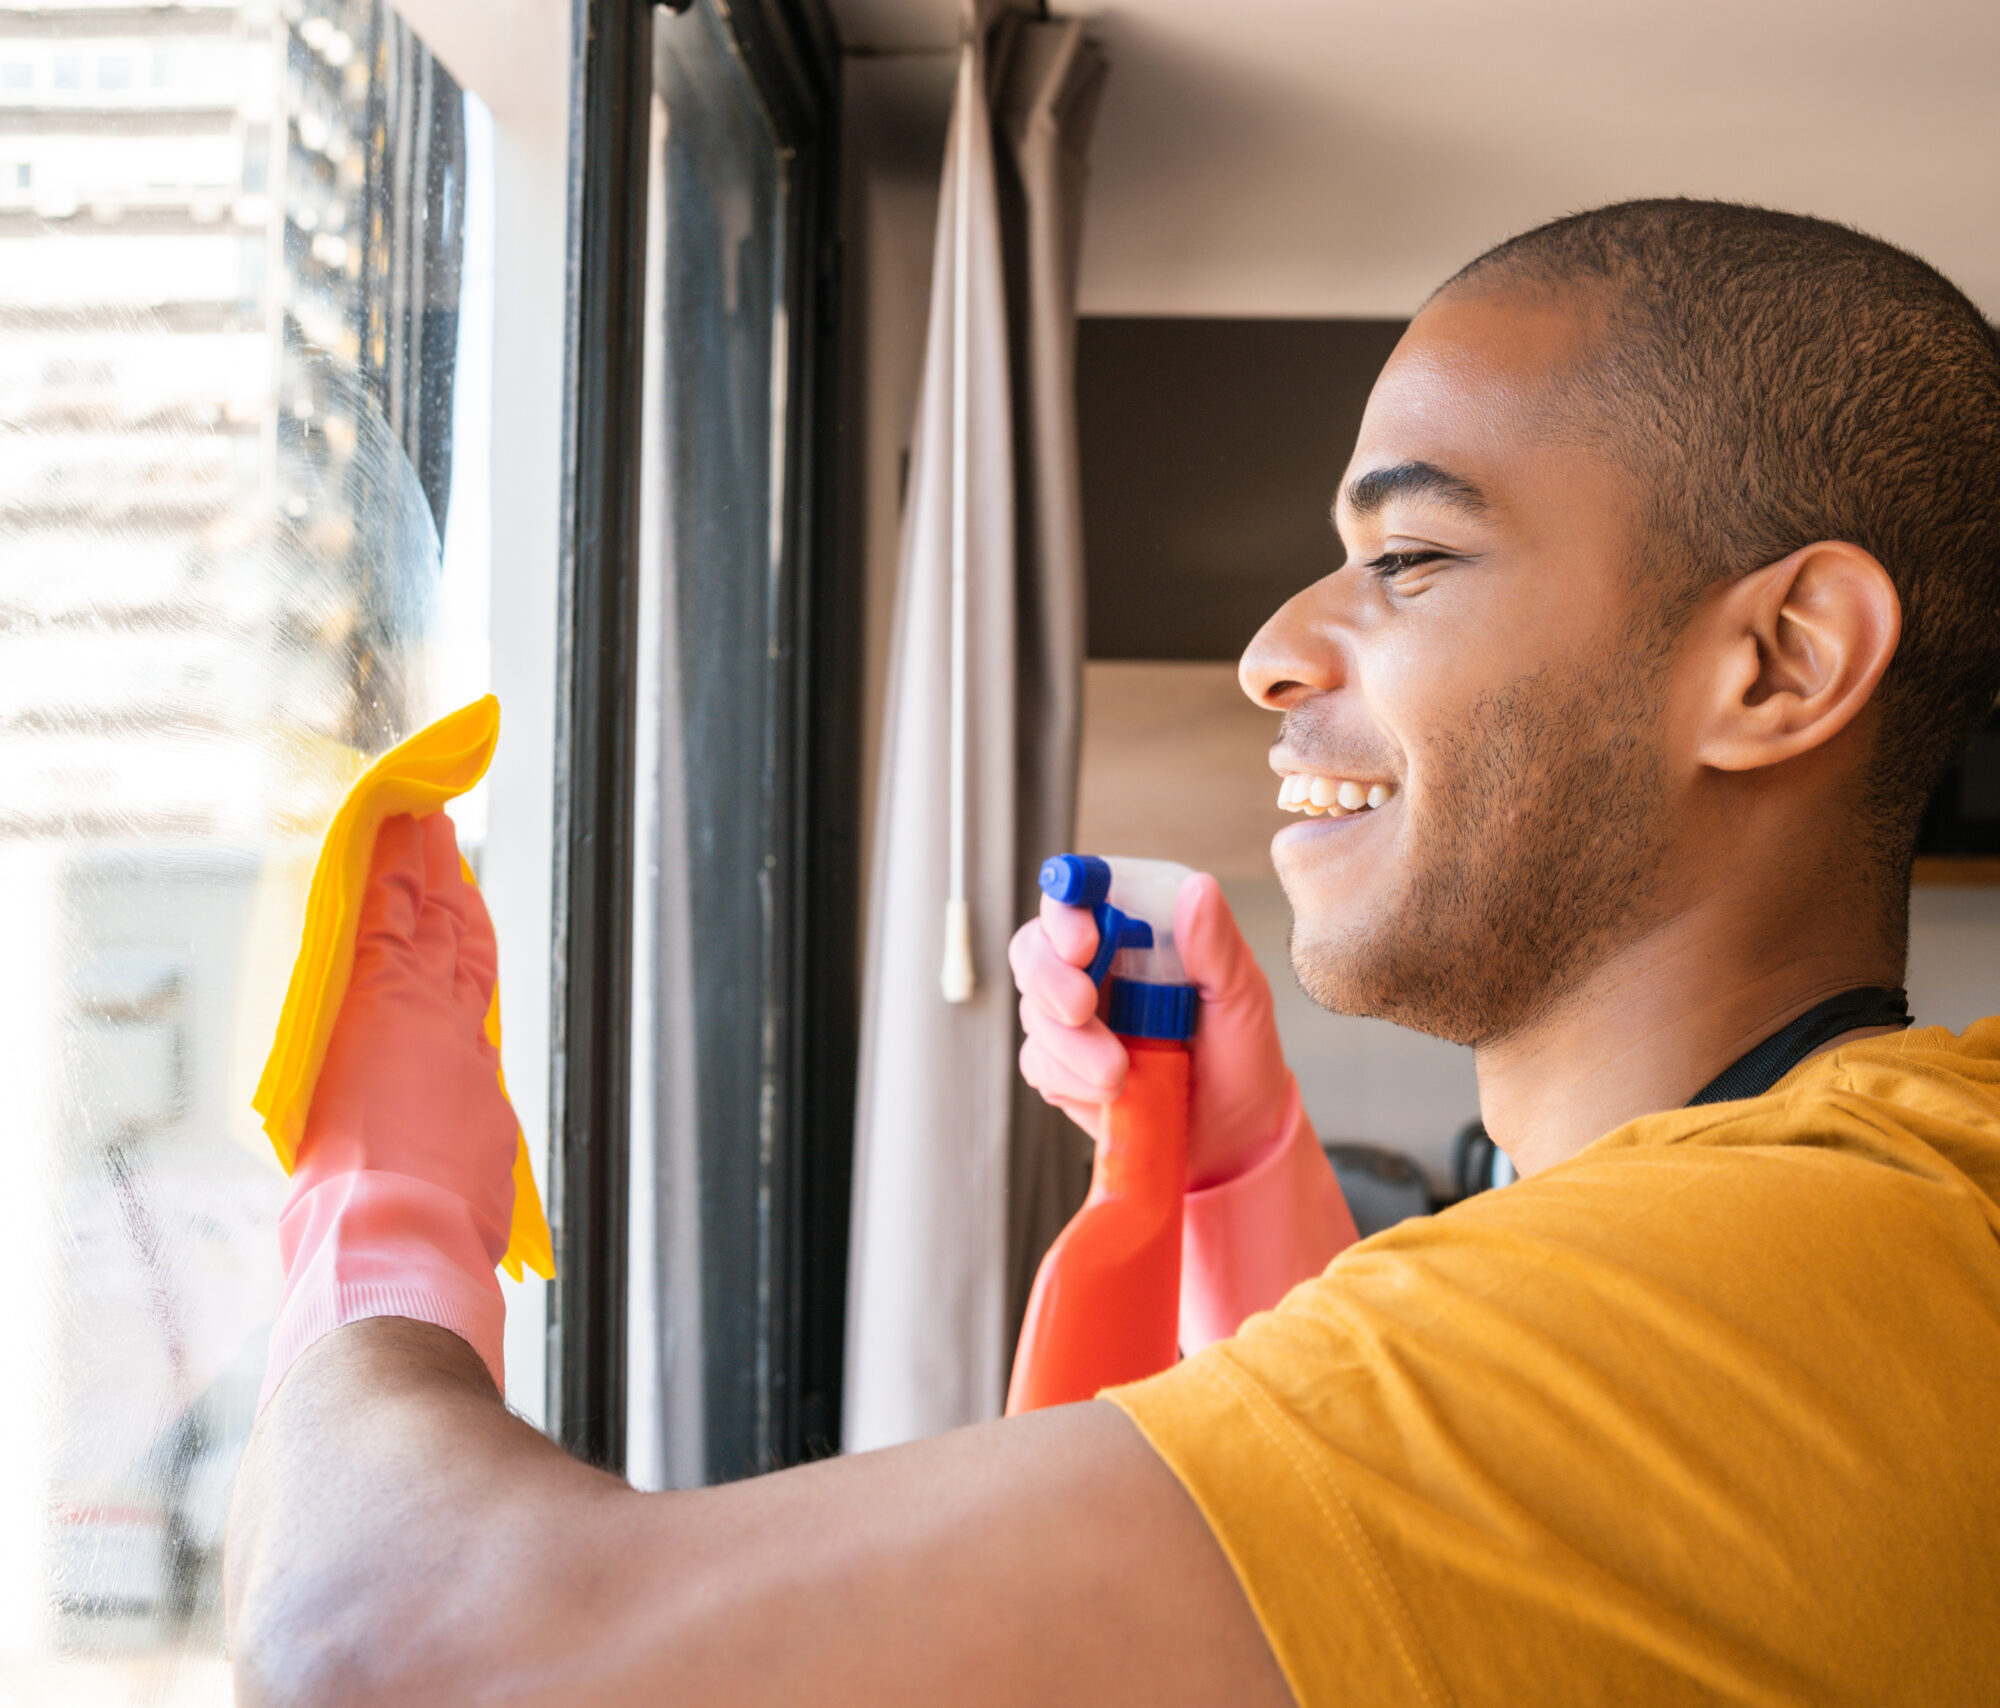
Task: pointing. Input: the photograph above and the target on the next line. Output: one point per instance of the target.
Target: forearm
(397, 1535)
(399, 1539)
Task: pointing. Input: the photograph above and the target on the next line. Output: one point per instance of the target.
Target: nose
(1298, 653)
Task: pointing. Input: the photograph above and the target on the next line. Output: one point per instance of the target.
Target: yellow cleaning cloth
(417, 777)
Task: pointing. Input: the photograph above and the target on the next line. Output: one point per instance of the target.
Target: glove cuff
(369, 1243)
(1246, 1242)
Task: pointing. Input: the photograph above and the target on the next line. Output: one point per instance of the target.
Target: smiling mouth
(1330, 797)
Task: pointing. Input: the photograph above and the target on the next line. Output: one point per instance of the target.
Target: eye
(1392, 564)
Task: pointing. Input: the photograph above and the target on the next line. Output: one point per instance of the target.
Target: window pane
(713, 856)
(235, 341)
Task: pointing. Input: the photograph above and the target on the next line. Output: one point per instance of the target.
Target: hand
(404, 1190)
(411, 1085)
(1242, 1088)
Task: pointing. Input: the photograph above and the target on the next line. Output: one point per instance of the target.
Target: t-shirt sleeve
(1283, 1522)
(1583, 1439)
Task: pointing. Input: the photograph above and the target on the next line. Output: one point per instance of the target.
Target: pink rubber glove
(404, 1189)
(1264, 1210)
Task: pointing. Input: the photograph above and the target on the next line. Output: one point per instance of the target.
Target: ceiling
(1341, 157)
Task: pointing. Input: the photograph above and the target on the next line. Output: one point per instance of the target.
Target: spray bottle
(1106, 1302)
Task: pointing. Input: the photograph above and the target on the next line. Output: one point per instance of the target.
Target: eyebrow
(1367, 493)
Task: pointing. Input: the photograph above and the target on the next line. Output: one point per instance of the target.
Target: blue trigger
(1115, 931)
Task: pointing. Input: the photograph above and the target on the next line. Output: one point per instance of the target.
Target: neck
(1654, 1022)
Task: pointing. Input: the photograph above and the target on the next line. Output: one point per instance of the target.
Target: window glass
(714, 664)
(245, 307)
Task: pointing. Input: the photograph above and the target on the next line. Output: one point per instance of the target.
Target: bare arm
(399, 1537)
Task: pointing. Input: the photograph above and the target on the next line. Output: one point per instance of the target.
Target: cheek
(1417, 679)
(1426, 670)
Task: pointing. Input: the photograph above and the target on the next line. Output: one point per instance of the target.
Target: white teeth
(1302, 791)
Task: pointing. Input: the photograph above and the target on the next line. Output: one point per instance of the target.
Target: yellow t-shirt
(1708, 1413)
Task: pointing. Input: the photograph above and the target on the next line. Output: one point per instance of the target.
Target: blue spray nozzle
(1133, 904)
(1083, 880)
(1076, 880)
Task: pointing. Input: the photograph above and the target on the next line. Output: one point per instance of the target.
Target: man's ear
(1795, 651)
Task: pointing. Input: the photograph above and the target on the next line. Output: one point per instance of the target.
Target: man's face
(1482, 669)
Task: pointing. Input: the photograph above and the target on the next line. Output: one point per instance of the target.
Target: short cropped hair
(1773, 380)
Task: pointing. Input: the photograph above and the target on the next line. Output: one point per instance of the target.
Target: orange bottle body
(1106, 1302)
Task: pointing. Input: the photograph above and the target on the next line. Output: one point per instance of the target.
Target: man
(1674, 569)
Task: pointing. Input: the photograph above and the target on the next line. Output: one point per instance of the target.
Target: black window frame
(792, 53)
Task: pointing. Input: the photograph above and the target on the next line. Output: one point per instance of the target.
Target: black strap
(1755, 1073)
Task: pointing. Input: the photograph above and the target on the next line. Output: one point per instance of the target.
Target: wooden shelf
(1958, 870)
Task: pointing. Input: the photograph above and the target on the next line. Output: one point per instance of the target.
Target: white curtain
(961, 1178)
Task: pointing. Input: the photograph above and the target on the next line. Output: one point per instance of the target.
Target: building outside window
(245, 289)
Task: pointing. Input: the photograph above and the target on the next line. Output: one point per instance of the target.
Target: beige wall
(1321, 157)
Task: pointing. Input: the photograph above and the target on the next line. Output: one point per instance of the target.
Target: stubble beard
(1536, 845)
